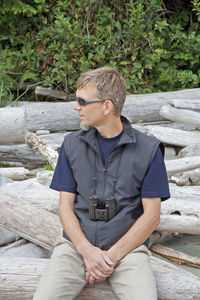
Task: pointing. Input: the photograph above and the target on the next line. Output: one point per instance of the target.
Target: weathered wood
(181, 215)
(176, 256)
(60, 116)
(188, 103)
(23, 153)
(180, 115)
(25, 220)
(191, 150)
(39, 90)
(171, 136)
(6, 236)
(187, 178)
(182, 164)
(17, 173)
(23, 248)
(146, 107)
(13, 125)
(19, 278)
(47, 152)
(34, 191)
(177, 223)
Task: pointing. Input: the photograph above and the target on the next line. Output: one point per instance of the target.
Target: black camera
(97, 211)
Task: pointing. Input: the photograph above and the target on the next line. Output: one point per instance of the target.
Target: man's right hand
(98, 264)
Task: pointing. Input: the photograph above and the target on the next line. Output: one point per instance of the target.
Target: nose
(77, 106)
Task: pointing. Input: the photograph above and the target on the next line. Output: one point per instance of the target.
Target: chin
(84, 126)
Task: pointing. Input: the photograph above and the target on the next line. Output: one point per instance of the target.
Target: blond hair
(109, 83)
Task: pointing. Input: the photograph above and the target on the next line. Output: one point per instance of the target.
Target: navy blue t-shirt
(155, 183)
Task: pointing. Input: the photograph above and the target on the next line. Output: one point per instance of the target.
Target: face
(91, 114)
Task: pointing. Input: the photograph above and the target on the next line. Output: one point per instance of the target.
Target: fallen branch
(54, 93)
(176, 256)
(38, 145)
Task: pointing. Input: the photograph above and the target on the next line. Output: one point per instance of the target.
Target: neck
(111, 127)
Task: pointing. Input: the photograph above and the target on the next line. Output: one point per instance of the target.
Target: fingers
(92, 277)
(108, 261)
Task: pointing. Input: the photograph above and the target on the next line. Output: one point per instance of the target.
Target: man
(111, 179)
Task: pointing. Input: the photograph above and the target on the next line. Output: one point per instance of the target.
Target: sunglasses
(83, 102)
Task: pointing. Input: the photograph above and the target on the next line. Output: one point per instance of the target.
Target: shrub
(153, 43)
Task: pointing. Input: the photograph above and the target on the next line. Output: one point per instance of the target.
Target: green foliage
(47, 167)
(54, 41)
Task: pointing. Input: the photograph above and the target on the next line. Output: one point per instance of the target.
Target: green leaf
(28, 75)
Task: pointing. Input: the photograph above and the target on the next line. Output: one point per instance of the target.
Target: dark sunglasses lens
(81, 101)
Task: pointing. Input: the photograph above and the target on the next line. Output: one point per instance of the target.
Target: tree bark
(180, 115)
(19, 278)
(47, 152)
(13, 125)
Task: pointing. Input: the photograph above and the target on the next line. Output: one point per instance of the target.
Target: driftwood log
(23, 153)
(6, 237)
(182, 164)
(23, 248)
(39, 90)
(193, 103)
(187, 178)
(171, 136)
(13, 125)
(17, 173)
(176, 216)
(180, 115)
(191, 150)
(20, 276)
(30, 159)
(60, 116)
(42, 227)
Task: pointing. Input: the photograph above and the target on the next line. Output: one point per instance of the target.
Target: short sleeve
(63, 179)
(155, 183)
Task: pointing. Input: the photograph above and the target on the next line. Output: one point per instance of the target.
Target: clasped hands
(99, 264)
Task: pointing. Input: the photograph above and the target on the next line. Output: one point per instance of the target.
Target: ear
(108, 107)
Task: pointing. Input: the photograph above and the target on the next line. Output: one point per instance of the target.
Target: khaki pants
(64, 276)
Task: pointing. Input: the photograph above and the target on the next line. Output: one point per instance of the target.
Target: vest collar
(128, 135)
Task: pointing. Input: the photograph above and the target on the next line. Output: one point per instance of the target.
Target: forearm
(136, 235)
(71, 224)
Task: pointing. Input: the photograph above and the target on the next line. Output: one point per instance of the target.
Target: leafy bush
(154, 45)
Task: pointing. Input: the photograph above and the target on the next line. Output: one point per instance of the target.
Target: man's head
(109, 85)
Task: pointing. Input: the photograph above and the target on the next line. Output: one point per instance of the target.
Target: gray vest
(121, 176)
